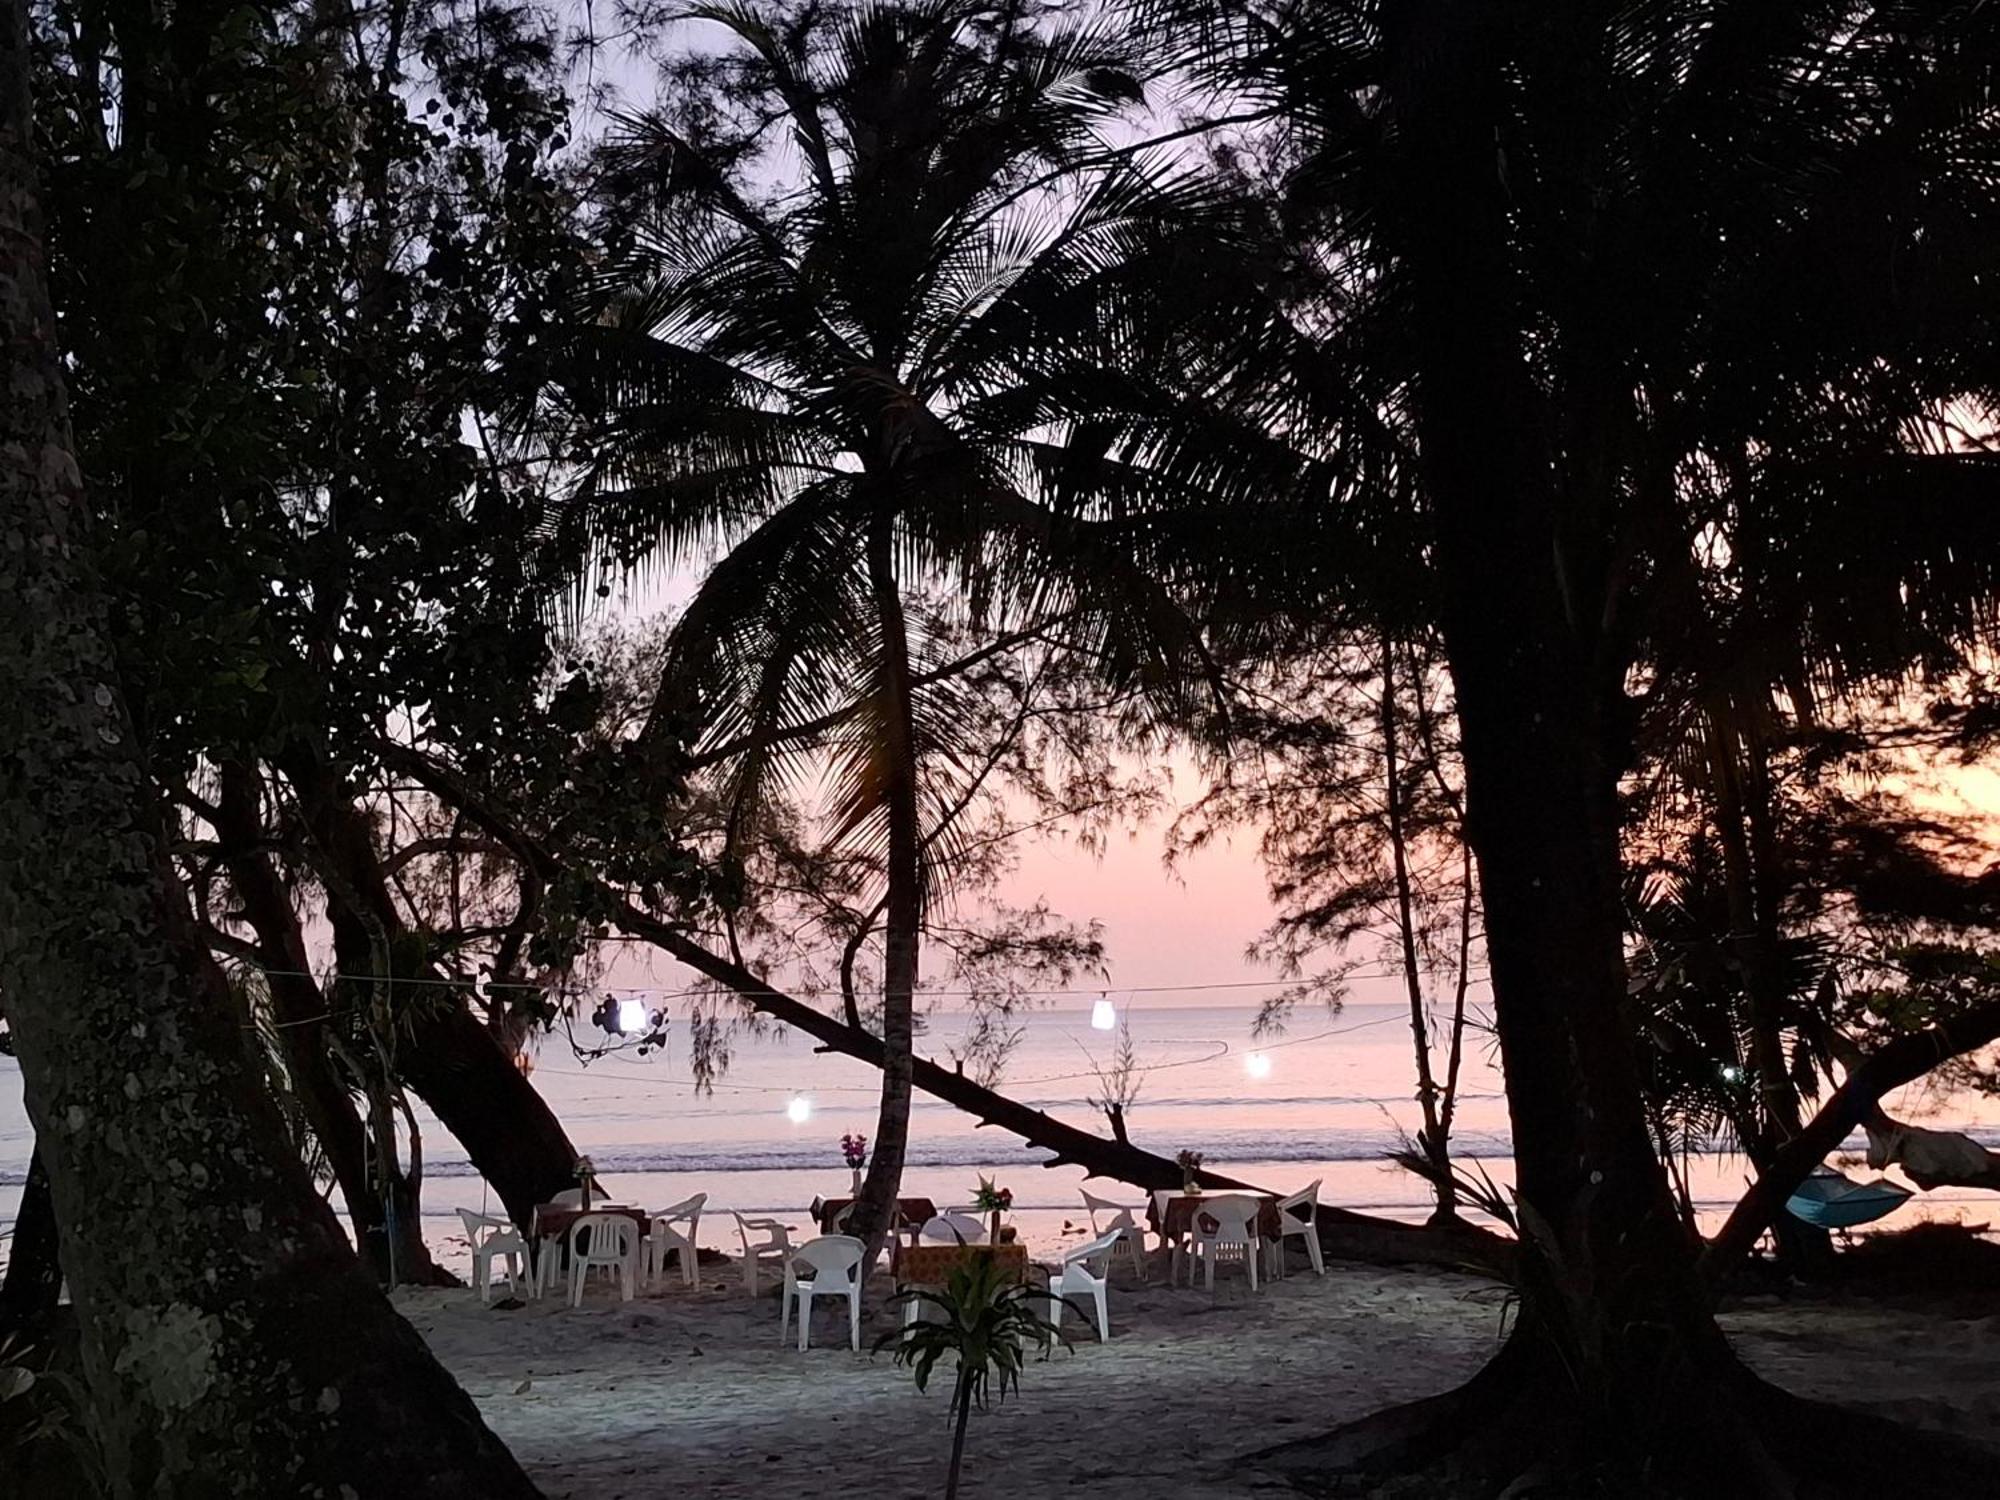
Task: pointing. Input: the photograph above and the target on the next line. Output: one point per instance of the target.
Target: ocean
(1327, 1099)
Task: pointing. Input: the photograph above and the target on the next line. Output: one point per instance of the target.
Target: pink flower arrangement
(854, 1151)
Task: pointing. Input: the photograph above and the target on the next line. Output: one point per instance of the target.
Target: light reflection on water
(1336, 1099)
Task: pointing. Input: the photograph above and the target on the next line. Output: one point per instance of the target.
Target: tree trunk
(34, 1261)
(232, 1343)
(445, 1054)
(874, 1215)
(1344, 1233)
(300, 1011)
(1750, 881)
(1868, 1079)
(1434, 1139)
(1612, 1314)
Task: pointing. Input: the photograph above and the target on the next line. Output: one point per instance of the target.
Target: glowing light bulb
(1258, 1065)
(799, 1110)
(631, 1016)
(1103, 1015)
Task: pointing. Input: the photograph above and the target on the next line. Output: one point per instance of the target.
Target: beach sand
(690, 1393)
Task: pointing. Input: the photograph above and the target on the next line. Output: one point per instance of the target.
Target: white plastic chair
(1118, 1220)
(1086, 1272)
(1299, 1215)
(832, 1267)
(613, 1246)
(773, 1251)
(1225, 1228)
(674, 1231)
(496, 1240)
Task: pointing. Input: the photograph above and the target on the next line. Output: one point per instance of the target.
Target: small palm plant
(989, 1320)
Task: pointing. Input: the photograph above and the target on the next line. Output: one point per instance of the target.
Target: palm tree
(1667, 300)
(908, 371)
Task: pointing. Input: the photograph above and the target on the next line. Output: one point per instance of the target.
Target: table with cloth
(911, 1214)
(931, 1265)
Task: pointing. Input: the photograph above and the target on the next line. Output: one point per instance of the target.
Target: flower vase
(1190, 1183)
(857, 1181)
(993, 1231)
(583, 1189)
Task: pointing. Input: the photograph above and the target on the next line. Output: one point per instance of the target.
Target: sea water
(1328, 1099)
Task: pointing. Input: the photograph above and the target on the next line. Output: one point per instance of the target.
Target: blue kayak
(1834, 1201)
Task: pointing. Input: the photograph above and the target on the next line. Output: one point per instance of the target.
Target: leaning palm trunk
(233, 1345)
(448, 1059)
(875, 1214)
(390, 1244)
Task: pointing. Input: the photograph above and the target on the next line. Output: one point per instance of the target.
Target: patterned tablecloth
(1171, 1221)
(929, 1265)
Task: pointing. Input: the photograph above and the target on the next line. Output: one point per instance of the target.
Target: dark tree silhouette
(1649, 299)
(904, 363)
(232, 1341)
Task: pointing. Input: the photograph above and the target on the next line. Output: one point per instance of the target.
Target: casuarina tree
(1643, 290)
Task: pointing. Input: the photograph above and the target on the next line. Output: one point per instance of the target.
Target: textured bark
(445, 1055)
(233, 1344)
(874, 1210)
(299, 1009)
(34, 1257)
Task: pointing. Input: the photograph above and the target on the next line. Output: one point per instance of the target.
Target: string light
(799, 1110)
(631, 1016)
(1257, 1065)
(1103, 1016)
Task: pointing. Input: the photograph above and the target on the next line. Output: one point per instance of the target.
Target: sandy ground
(690, 1393)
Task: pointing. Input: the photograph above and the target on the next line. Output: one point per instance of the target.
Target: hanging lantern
(799, 1110)
(632, 1017)
(1103, 1016)
(1258, 1064)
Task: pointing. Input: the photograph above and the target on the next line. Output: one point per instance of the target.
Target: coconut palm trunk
(874, 1215)
(233, 1344)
